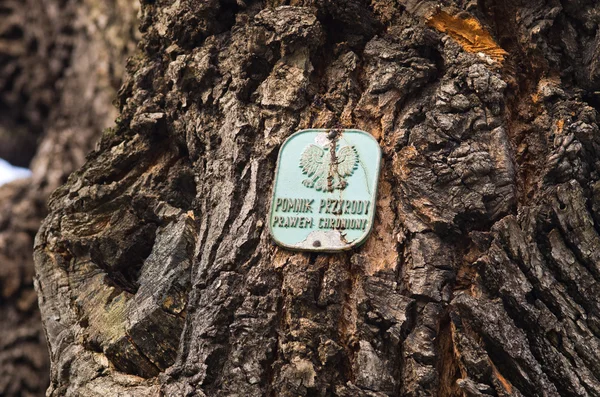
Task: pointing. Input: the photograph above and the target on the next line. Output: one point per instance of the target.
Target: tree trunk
(155, 268)
(61, 63)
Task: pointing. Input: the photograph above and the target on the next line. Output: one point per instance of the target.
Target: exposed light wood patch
(503, 381)
(469, 33)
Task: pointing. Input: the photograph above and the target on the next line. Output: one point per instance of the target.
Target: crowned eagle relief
(328, 168)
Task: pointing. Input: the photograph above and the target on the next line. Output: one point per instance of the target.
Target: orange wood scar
(503, 381)
(469, 33)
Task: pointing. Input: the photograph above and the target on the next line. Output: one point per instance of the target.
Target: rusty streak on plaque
(325, 190)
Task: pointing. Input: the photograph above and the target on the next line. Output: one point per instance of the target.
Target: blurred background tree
(61, 64)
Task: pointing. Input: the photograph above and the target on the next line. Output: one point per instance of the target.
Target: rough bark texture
(157, 275)
(61, 63)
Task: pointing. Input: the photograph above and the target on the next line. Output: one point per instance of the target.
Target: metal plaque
(325, 190)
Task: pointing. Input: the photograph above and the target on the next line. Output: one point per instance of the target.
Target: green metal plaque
(325, 190)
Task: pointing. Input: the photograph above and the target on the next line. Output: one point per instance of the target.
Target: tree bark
(61, 64)
(155, 270)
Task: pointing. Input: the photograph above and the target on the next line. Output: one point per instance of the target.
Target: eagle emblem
(327, 168)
